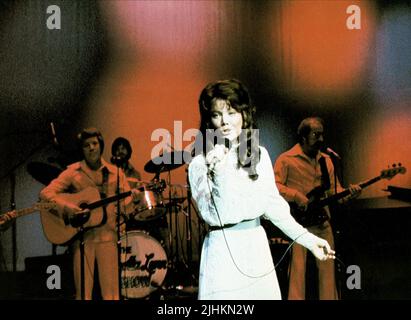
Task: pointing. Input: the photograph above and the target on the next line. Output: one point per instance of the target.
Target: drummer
(121, 152)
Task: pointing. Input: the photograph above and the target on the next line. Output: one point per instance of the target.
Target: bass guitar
(315, 213)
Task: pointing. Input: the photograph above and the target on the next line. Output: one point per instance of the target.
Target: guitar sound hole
(83, 205)
(80, 218)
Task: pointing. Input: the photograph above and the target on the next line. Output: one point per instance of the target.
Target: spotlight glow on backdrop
(318, 54)
(167, 46)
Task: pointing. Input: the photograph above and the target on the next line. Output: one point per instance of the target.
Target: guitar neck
(22, 212)
(25, 212)
(346, 192)
(108, 200)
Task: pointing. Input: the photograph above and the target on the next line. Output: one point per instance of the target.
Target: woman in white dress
(232, 182)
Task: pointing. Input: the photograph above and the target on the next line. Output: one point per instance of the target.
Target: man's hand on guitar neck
(355, 191)
(6, 218)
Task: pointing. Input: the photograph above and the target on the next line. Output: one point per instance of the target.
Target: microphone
(212, 163)
(211, 166)
(331, 152)
(53, 133)
(118, 161)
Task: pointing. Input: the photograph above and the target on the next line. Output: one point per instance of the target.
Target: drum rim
(138, 231)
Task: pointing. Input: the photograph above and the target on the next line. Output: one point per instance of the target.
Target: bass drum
(143, 265)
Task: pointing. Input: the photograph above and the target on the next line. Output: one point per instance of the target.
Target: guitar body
(55, 223)
(313, 216)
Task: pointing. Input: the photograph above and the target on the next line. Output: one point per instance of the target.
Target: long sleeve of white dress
(231, 196)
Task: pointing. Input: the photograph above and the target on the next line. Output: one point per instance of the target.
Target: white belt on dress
(243, 225)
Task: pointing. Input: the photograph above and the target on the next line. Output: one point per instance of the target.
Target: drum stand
(171, 239)
(181, 269)
(189, 232)
(175, 263)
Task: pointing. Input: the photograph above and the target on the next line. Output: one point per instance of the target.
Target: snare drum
(143, 264)
(148, 206)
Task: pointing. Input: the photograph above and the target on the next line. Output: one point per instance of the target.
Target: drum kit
(151, 247)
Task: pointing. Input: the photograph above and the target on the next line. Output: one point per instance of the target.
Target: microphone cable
(228, 247)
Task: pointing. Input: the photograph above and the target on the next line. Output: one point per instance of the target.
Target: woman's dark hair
(121, 141)
(89, 133)
(237, 97)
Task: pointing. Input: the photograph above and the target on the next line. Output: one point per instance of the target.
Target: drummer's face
(121, 151)
(227, 120)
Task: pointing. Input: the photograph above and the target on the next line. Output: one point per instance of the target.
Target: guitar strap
(325, 178)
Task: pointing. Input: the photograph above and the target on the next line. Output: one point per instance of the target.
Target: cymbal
(166, 162)
(43, 172)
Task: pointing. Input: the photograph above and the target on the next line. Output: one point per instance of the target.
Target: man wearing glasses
(298, 171)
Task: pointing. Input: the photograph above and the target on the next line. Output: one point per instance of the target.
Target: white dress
(237, 264)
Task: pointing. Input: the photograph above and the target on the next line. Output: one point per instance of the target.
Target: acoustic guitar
(61, 228)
